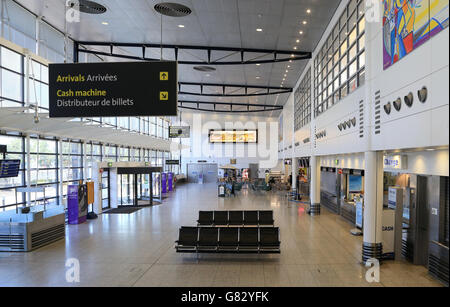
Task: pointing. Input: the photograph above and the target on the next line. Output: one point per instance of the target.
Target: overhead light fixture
(304, 22)
(258, 64)
(300, 32)
(258, 77)
(105, 23)
(398, 104)
(308, 11)
(295, 47)
(297, 41)
(259, 30)
(180, 26)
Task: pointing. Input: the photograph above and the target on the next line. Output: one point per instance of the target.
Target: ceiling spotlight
(308, 11)
(180, 26)
(304, 22)
(398, 104)
(409, 99)
(387, 108)
(297, 41)
(258, 64)
(259, 30)
(105, 23)
(295, 47)
(300, 32)
(423, 94)
(258, 77)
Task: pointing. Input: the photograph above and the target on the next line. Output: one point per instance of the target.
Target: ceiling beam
(268, 90)
(288, 55)
(263, 107)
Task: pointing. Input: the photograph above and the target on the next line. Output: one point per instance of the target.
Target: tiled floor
(137, 250)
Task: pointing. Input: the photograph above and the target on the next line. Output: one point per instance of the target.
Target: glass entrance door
(106, 204)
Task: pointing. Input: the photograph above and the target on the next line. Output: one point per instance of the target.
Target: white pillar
(61, 172)
(294, 173)
(28, 169)
(373, 206)
(315, 186)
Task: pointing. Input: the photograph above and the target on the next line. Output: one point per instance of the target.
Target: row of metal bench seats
(228, 240)
(236, 218)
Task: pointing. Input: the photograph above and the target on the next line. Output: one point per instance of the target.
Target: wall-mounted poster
(355, 184)
(233, 136)
(407, 24)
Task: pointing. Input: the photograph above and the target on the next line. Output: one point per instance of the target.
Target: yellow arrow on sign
(163, 76)
(163, 95)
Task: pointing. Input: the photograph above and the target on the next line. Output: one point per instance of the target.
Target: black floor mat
(123, 210)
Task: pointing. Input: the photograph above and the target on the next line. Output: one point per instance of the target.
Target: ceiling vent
(204, 68)
(88, 7)
(172, 9)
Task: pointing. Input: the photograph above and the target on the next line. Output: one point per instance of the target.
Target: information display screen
(9, 168)
(233, 136)
(113, 89)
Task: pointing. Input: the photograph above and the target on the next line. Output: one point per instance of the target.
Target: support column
(294, 173)
(28, 169)
(373, 206)
(315, 186)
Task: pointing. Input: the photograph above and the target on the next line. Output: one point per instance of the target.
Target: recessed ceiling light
(300, 32)
(258, 64)
(258, 77)
(105, 23)
(304, 22)
(295, 47)
(430, 149)
(308, 11)
(180, 26)
(259, 30)
(289, 66)
(297, 41)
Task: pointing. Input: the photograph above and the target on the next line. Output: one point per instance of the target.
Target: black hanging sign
(113, 89)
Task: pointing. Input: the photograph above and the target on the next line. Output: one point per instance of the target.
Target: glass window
(346, 45)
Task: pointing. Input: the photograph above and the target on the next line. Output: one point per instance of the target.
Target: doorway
(198, 170)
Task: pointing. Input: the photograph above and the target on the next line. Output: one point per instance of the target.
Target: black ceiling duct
(172, 9)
